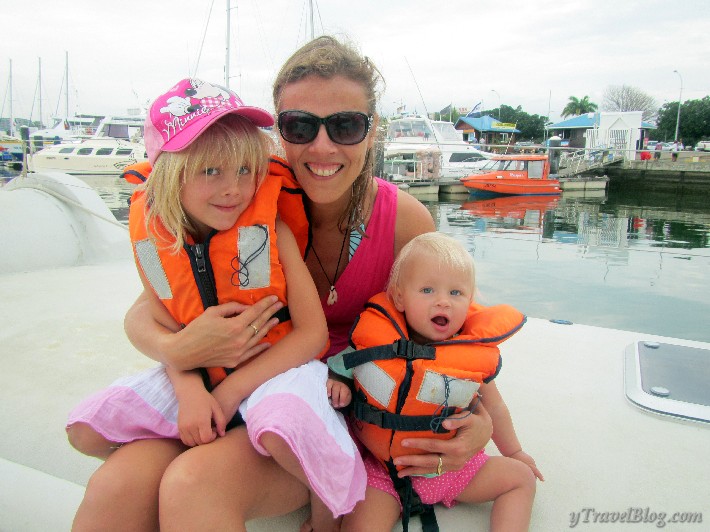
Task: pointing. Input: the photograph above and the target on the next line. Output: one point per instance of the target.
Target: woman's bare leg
(377, 513)
(221, 485)
(123, 493)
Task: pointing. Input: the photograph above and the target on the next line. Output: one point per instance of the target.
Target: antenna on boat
(426, 111)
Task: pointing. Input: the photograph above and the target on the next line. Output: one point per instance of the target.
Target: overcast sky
(534, 53)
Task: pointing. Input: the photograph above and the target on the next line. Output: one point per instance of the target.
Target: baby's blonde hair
(448, 252)
(232, 140)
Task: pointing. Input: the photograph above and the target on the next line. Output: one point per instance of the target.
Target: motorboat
(418, 148)
(618, 441)
(116, 143)
(93, 156)
(66, 129)
(520, 174)
(10, 148)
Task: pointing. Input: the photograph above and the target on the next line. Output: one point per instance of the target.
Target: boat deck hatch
(669, 379)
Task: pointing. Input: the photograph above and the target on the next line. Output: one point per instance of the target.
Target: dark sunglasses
(347, 127)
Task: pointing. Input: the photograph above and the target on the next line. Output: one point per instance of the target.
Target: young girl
(428, 310)
(205, 232)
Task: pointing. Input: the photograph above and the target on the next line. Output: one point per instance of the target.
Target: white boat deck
(62, 338)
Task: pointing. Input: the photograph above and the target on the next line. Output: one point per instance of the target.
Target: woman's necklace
(332, 294)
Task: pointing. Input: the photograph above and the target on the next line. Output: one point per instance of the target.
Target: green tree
(694, 121)
(575, 106)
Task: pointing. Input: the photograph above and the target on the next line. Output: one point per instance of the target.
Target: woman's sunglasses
(347, 127)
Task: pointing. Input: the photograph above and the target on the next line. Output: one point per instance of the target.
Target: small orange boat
(520, 174)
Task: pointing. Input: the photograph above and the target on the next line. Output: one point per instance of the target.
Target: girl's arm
(197, 408)
(303, 343)
(504, 435)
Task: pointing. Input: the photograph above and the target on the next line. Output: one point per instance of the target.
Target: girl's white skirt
(293, 405)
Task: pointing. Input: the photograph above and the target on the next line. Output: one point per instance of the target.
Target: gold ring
(256, 331)
(440, 467)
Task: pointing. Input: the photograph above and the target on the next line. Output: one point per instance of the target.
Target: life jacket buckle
(404, 349)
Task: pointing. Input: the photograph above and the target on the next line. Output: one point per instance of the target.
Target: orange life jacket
(137, 173)
(187, 283)
(403, 389)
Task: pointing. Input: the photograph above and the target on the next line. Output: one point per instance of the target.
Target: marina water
(634, 260)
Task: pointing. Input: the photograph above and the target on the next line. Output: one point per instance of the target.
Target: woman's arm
(413, 219)
(221, 336)
(303, 343)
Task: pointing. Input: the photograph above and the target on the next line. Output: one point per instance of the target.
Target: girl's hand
(200, 420)
(339, 393)
(473, 432)
(529, 461)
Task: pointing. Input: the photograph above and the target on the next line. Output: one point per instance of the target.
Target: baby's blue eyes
(455, 292)
(429, 290)
(211, 171)
(244, 170)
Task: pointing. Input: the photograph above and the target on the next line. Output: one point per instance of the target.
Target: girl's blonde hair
(327, 57)
(446, 250)
(232, 140)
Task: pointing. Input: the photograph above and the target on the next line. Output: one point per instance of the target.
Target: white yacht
(116, 143)
(418, 148)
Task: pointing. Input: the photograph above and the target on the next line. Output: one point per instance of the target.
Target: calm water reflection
(630, 260)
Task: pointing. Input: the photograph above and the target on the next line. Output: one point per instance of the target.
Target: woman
(221, 485)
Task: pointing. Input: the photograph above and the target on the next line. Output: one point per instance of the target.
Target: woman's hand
(223, 336)
(473, 433)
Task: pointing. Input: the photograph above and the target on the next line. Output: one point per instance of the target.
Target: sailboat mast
(39, 91)
(66, 84)
(310, 3)
(226, 61)
(9, 92)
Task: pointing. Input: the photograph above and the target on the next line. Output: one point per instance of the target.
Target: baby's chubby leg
(511, 485)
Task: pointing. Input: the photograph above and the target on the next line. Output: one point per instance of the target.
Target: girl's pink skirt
(293, 405)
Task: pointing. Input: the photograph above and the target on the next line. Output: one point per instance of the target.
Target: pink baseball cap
(179, 116)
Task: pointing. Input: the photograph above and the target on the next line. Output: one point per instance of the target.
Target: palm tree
(575, 106)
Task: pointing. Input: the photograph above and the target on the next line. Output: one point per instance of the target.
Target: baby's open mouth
(441, 321)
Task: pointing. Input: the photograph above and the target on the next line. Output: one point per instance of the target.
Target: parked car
(703, 145)
(651, 145)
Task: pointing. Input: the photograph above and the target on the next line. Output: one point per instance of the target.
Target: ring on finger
(256, 331)
(439, 468)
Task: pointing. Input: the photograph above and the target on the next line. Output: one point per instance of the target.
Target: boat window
(66, 150)
(465, 157)
(119, 131)
(416, 128)
(84, 151)
(535, 169)
(448, 132)
(123, 151)
(104, 151)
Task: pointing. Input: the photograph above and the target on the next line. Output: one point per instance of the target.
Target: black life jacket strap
(387, 420)
(411, 502)
(401, 348)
